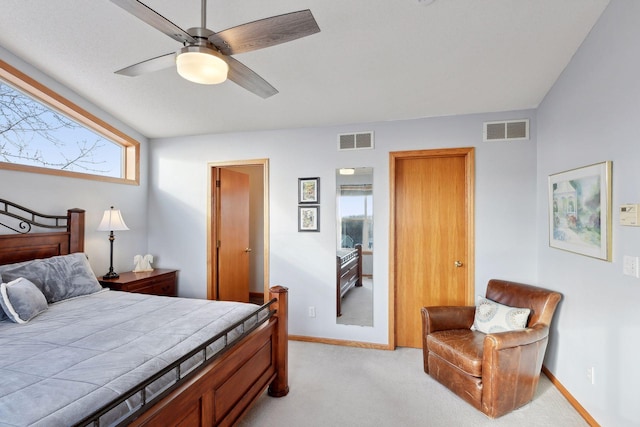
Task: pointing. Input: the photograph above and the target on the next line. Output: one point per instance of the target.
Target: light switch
(630, 266)
(629, 215)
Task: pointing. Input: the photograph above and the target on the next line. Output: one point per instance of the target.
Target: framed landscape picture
(309, 190)
(308, 218)
(580, 210)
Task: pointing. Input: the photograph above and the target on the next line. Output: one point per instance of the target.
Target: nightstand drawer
(156, 286)
(156, 282)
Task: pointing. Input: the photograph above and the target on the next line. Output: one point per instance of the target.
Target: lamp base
(111, 275)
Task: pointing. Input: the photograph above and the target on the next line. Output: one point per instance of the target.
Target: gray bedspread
(83, 352)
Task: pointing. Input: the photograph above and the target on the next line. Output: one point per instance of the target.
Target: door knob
(458, 263)
(248, 250)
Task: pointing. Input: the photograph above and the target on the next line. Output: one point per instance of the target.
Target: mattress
(83, 352)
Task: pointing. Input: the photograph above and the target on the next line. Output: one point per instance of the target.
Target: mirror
(354, 254)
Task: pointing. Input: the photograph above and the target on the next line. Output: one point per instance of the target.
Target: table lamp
(112, 221)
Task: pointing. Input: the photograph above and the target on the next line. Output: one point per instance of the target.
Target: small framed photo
(309, 190)
(308, 218)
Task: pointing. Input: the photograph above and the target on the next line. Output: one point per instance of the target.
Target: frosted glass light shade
(201, 65)
(112, 221)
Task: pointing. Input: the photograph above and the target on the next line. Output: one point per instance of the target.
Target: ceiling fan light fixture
(201, 65)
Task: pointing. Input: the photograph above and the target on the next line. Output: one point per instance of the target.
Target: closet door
(232, 207)
(432, 241)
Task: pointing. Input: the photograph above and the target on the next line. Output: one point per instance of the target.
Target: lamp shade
(201, 65)
(112, 221)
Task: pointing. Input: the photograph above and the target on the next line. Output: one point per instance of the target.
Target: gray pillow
(21, 300)
(58, 277)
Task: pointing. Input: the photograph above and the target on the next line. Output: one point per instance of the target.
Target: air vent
(511, 130)
(355, 141)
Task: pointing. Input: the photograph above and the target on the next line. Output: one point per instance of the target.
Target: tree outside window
(35, 135)
(42, 132)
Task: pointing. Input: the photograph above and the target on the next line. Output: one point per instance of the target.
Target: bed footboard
(223, 391)
(349, 274)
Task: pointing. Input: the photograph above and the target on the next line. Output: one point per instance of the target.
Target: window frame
(41, 93)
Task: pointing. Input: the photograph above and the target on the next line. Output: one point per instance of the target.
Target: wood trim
(57, 102)
(394, 156)
(391, 311)
(572, 400)
(346, 343)
(211, 273)
(211, 166)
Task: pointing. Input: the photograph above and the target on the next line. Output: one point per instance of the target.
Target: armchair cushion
(492, 317)
(461, 347)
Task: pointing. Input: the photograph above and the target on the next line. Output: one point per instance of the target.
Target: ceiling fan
(206, 55)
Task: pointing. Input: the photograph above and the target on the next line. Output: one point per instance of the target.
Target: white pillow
(21, 300)
(492, 317)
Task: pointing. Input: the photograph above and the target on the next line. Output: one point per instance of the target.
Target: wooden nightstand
(160, 281)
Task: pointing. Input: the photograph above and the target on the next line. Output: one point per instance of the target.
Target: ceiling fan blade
(243, 76)
(150, 65)
(265, 32)
(153, 18)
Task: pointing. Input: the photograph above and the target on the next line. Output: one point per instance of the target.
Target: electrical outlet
(312, 311)
(591, 375)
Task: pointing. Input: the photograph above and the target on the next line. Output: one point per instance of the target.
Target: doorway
(257, 250)
(432, 236)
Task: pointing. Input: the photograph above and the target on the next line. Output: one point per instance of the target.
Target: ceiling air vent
(355, 141)
(511, 130)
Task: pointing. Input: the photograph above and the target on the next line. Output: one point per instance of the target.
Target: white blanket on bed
(83, 352)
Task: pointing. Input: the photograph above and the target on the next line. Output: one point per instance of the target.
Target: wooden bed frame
(349, 274)
(219, 393)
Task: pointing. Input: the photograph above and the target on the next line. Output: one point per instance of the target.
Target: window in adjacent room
(40, 131)
(356, 216)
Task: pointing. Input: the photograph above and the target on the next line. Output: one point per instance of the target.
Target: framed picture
(580, 210)
(308, 218)
(309, 190)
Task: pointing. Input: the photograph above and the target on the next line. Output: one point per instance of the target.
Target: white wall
(305, 262)
(591, 115)
(54, 195)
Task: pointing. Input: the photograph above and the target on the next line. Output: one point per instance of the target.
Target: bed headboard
(23, 244)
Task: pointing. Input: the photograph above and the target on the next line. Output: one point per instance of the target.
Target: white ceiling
(374, 60)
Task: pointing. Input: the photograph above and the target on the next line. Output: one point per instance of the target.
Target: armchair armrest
(440, 318)
(512, 361)
(510, 339)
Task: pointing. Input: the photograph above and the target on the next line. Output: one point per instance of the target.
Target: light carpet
(357, 305)
(348, 386)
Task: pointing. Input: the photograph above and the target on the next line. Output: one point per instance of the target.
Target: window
(356, 216)
(42, 132)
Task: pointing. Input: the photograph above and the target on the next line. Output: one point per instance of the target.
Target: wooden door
(232, 231)
(432, 222)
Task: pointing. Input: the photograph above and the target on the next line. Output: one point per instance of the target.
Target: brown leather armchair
(498, 372)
